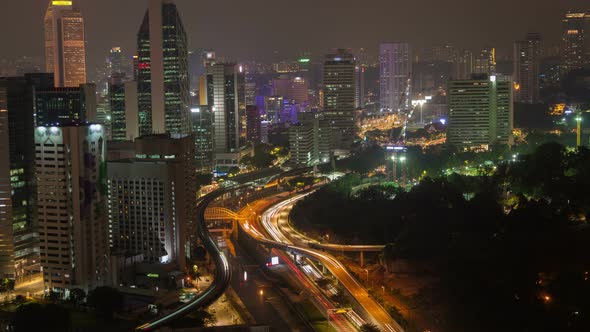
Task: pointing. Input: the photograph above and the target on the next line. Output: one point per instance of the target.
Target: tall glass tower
(65, 52)
(163, 81)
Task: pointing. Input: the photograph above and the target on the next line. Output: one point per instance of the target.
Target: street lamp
(367, 271)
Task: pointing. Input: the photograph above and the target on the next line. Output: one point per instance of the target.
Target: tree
(106, 301)
(369, 327)
(77, 296)
(38, 317)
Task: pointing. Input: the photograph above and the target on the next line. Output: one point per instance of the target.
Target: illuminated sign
(274, 260)
(304, 60)
(61, 3)
(153, 275)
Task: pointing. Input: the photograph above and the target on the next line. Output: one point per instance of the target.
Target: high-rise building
(202, 121)
(72, 204)
(395, 76)
(360, 85)
(323, 149)
(163, 80)
(485, 61)
(116, 61)
(62, 105)
(575, 41)
(339, 92)
(117, 107)
(17, 98)
(151, 199)
(480, 112)
(224, 97)
(526, 76)
(253, 124)
(65, 50)
(463, 65)
(7, 269)
(131, 110)
(301, 145)
(295, 88)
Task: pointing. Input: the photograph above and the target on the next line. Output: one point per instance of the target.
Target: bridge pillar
(362, 258)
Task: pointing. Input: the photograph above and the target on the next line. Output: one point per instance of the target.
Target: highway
(376, 313)
(223, 270)
(222, 273)
(302, 240)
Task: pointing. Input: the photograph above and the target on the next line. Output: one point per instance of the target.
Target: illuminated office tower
(17, 97)
(295, 88)
(463, 65)
(395, 61)
(485, 62)
(202, 121)
(301, 145)
(72, 204)
(162, 80)
(116, 61)
(7, 269)
(575, 41)
(65, 50)
(360, 86)
(56, 106)
(339, 92)
(151, 199)
(480, 112)
(117, 103)
(224, 97)
(253, 124)
(527, 59)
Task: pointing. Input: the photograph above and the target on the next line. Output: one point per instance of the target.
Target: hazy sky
(248, 29)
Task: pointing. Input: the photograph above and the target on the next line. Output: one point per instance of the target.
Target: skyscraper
(17, 97)
(6, 237)
(395, 61)
(163, 80)
(202, 121)
(72, 203)
(463, 67)
(151, 199)
(116, 61)
(65, 50)
(527, 59)
(117, 105)
(224, 97)
(485, 61)
(63, 105)
(359, 85)
(480, 112)
(575, 41)
(339, 92)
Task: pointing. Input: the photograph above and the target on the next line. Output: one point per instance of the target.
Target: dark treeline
(509, 250)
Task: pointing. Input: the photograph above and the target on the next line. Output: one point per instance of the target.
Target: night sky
(254, 29)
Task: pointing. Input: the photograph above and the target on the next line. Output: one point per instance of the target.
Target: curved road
(222, 274)
(375, 312)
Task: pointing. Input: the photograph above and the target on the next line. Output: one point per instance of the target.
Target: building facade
(152, 199)
(56, 106)
(480, 112)
(339, 97)
(575, 36)
(72, 204)
(163, 86)
(395, 73)
(65, 50)
(526, 75)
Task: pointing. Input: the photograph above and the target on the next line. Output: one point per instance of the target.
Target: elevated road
(222, 273)
(376, 314)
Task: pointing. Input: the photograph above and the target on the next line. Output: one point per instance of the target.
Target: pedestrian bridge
(216, 213)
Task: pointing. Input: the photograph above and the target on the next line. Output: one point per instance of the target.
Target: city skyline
(241, 38)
